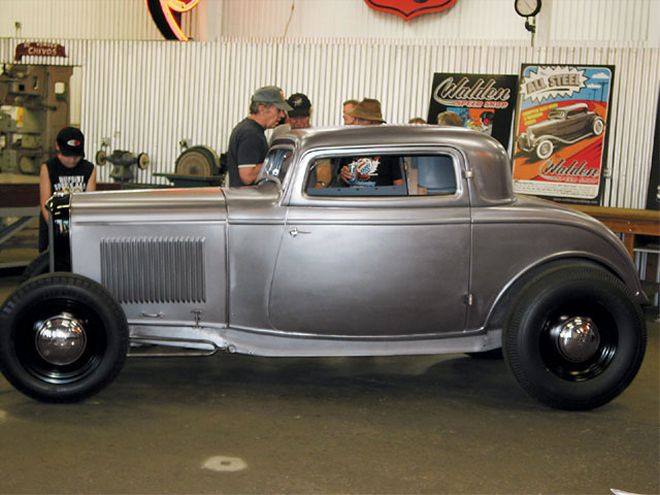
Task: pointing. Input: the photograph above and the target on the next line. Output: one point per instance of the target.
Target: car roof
(486, 157)
(390, 135)
(377, 135)
(575, 106)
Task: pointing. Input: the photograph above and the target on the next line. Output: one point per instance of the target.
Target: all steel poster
(561, 131)
(482, 102)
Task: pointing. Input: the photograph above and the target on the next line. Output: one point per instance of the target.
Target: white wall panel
(147, 96)
(78, 19)
(563, 21)
(604, 21)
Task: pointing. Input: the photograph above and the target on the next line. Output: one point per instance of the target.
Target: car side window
(356, 176)
(431, 175)
(382, 175)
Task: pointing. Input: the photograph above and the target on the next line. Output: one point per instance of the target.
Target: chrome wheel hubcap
(61, 339)
(577, 338)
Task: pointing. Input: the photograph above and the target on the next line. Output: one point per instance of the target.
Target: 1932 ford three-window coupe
(303, 264)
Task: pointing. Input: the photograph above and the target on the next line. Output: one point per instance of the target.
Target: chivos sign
(408, 9)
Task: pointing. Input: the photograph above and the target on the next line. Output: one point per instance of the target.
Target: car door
(385, 265)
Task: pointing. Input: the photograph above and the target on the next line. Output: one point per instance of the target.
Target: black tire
(49, 371)
(575, 371)
(38, 266)
(493, 354)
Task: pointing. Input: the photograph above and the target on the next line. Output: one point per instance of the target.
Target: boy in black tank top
(67, 171)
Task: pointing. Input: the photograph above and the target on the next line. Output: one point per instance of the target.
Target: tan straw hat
(368, 109)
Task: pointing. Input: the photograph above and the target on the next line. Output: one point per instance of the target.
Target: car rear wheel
(544, 149)
(62, 338)
(575, 338)
(597, 126)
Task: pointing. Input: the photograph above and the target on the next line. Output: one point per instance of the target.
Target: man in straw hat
(371, 170)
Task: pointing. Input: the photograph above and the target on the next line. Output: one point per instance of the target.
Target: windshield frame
(277, 163)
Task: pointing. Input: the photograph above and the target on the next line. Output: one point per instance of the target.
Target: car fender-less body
(281, 269)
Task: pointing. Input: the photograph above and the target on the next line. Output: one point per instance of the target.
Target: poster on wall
(482, 102)
(561, 131)
(653, 197)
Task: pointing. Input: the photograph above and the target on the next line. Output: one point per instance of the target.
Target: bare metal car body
(277, 270)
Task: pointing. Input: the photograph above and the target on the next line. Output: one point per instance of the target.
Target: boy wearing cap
(66, 172)
(247, 144)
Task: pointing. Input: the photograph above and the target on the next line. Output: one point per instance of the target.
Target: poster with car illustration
(481, 102)
(561, 131)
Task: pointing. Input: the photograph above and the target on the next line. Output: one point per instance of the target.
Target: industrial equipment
(34, 106)
(124, 164)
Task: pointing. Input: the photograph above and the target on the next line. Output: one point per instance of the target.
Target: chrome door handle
(294, 232)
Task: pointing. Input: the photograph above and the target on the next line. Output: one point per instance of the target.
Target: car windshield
(556, 114)
(277, 163)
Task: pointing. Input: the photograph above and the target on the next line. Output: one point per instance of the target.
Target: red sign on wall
(407, 9)
(39, 49)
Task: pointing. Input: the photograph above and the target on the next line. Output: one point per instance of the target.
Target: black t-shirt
(376, 170)
(64, 179)
(247, 146)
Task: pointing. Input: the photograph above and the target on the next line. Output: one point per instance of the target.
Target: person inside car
(373, 170)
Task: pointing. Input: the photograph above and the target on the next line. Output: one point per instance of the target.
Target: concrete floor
(235, 424)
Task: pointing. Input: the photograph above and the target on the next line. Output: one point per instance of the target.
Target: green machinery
(40, 97)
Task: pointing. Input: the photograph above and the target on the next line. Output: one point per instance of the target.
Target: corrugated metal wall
(147, 96)
(605, 20)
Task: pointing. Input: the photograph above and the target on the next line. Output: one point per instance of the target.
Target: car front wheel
(575, 338)
(62, 338)
(544, 149)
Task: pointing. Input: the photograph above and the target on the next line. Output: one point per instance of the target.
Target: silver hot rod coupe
(429, 252)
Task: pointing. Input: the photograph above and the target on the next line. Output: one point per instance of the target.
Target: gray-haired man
(247, 144)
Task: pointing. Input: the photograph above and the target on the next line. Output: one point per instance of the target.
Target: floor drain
(224, 464)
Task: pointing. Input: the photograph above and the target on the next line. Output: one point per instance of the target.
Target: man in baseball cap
(247, 144)
(298, 117)
(271, 95)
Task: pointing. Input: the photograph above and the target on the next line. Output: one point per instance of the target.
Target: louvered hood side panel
(154, 269)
